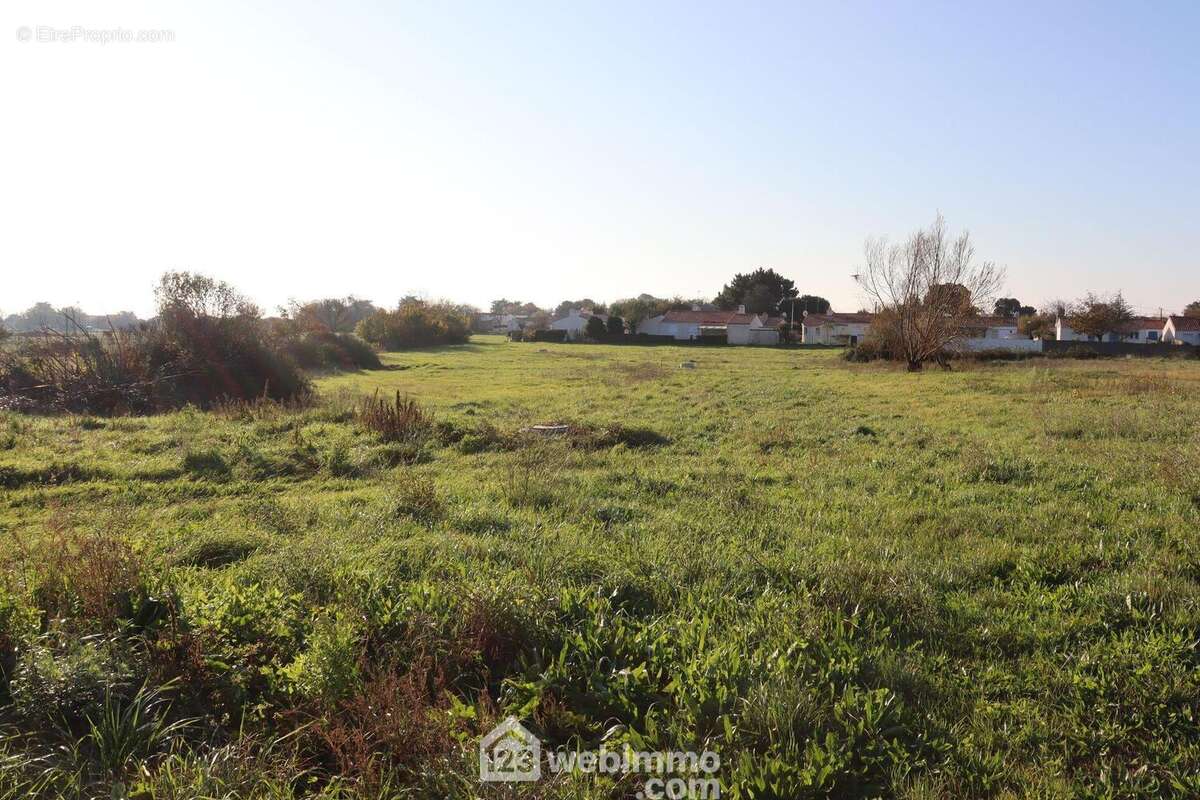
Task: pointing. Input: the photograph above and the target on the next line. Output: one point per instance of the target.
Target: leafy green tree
(503, 306)
(616, 325)
(416, 323)
(595, 328)
(1192, 309)
(760, 291)
(636, 309)
(1007, 307)
(585, 304)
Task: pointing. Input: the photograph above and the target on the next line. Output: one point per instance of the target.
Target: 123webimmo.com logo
(511, 753)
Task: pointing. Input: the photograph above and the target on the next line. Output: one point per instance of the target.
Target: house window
(1152, 336)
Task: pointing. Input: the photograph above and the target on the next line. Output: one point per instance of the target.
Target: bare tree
(906, 283)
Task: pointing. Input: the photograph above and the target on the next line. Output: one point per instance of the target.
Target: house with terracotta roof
(1182, 330)
(834, 328)
(739, 327)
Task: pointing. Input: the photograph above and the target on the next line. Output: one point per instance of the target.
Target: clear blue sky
(559, 150)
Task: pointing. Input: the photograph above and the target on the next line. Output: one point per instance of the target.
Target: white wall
(658, 326)
(765, 336)
(1015, 345)
(738, 334)
(832, 333)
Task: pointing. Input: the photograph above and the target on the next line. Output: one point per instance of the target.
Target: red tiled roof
(1185, 323)
(816, 320)
(1143, 324)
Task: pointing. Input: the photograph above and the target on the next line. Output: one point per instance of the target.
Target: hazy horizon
(540, 152)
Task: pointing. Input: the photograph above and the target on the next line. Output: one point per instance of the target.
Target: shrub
(1082, 352)
(595, 329)
(17, 622)
(861, 354)
(484, 437)
(416, 323)
(400, 421)
(545, 336)
(209, 344)
(324, 350)
(94, 577)
(995, 354)
(397, 720)
(327, 670)
(63, 678)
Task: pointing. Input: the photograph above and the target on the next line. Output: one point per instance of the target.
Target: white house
(499, 323)
(983, 327)
(833, 328)
(1182, 330)
(760, 329)
(1139, 330)
(575, 322)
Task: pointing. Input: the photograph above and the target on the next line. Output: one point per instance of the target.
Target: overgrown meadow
(845, 579)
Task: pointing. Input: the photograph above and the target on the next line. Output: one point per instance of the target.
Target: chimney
(741, 309)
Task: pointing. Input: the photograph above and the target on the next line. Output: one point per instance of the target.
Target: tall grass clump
(398, 420)
(124, 731)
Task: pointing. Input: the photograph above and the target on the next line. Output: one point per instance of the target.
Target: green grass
(847, 580)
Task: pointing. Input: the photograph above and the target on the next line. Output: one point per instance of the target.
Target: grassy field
(846, 580)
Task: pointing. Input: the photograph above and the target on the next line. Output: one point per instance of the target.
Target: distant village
(706, 322)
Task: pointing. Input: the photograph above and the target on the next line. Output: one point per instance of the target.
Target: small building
(575, 323)
(696, 323)
(759, 329)
(498, 323)
(987, 327)
(834, 328)
(1182, 330)
(1139, 330)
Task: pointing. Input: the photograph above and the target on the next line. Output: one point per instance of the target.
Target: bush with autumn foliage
(416, 323)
